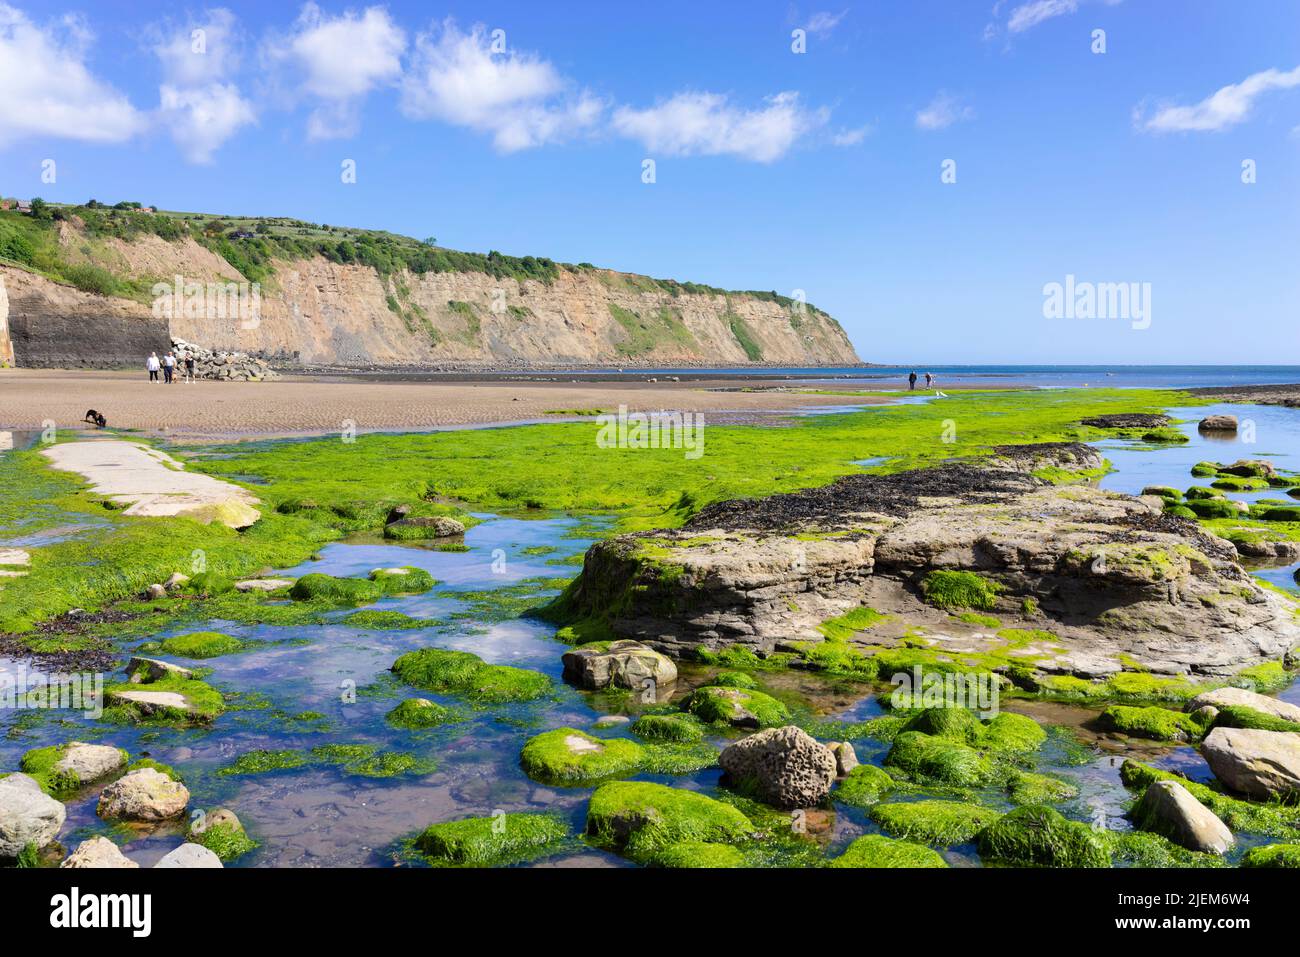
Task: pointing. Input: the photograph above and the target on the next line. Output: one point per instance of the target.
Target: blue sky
(817, 171)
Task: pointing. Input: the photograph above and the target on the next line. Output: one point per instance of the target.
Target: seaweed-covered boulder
(64, 768)
(737, 707)
(1218, 423)
(1159, 724)
(189, 856)
(568, 756)
(144, 670)
(876, 850)
(1261, 764)
(98, 852)
(222, 833)
(1225, 697)
(499, 839)
(407, 580)
(620, 664)
(1169, 810)
(699, 854)
(933, 822)
(424, 526)
(926, 759)
(145, 796)
(1272, 855)
(864, 786)
(641, 819)
(415, 713)
(1249, 468)
(1036, 835)
(682, 728)
(463, 673)
(201, 644)
(27, 815)
(783, 767)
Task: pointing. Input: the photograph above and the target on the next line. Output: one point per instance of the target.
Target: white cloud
(851, 137)
(823, 24)
(338, 61)
(518, 98)
(1225, 107)
(46, 88)
(707, 124)
(196, 105)
(200, 119)
(943, 111)
(1029, 15)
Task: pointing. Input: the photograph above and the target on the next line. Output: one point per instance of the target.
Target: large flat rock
(151, 483)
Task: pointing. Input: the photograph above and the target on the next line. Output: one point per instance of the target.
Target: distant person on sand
(153, 365)
(169, 367)
(911, 382)
(189, 367)
(929, 381)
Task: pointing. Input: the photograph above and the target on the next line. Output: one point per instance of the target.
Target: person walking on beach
(169, 368)
(189, 367)
(911, 382)
(929, 381)
(153, 365)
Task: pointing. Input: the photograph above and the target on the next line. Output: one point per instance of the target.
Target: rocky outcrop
(623, 664)
(98, 852)
(27, 815)
(784, 767)
(1240, 697)
(1218, 423)
(86, 763)
(1168, 809)
(1111, 577)
(1261, 764)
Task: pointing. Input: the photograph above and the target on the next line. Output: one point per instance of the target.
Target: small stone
(175, 581)
(1218, 423)
(27, 815)
(1168, 808)
(786, 767)
(98, 852)
(263, 584)
(144, 670)
(156, 591)
(624, 664)
(846, 759)
(190, 855)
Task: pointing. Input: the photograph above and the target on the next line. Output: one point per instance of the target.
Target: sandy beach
(212, 411)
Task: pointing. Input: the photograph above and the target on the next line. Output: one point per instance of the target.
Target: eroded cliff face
(319, 312)
(53, 325)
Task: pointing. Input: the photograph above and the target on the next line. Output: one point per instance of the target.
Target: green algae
(406, 580)
(463, 673)
(1239, 716)
(1145, 849)
(845, 626)
(1024, 787)
(264, 762)
(864, 786)
(203, 703)
(925, 759)
(734, 679)
(158, 766)
(1158, 724)
(933, 822)
(418, 713)
(680, 728)
(201, 644)
(1272, 855)
(566, 756)
(369, 761)
(341, 592)
(641, 819)
(1270, 819)
(39, 764)
(489, 841)
(873, 850)
(959, 589)
(372, 619)
(1040, 836)
(225, 840)
(737, 707)
(698, 854)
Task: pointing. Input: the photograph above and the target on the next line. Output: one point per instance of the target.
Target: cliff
(296, 303)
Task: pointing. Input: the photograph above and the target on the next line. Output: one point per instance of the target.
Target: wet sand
(211, 411)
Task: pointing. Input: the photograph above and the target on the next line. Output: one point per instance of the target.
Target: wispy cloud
(708, 124)
(1223, 108)
(823, 24)
(338, 60)
(852, 137)
(1029, 15)
(520, 99)
(48, 90)
(198, 104)
(943, 111)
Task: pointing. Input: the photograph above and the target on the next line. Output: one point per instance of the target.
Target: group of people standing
(911, 381)
(167, 366)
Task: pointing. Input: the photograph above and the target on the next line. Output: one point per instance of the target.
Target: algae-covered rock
(1169, 810)
(499, 839)
(864, 786)
(407, 580)
(1037, 835)
(1158, 724)
(419, 527)
(933, 822)
(1025, 787)
(783, 767)
(1272, 855)
(640, 818)
(734, 679)
(737, 707)
(168, 700)
(201, 644)
(64, 768)
(955, 724)
(1223, 697)
(462, 673)
(222, 833)
(681, 728)
(416, 713)
(875, 850)
(698, 854)
(570, 757)
(335, 591)
(928, 759)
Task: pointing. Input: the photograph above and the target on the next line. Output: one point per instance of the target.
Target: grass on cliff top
(315, 491)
